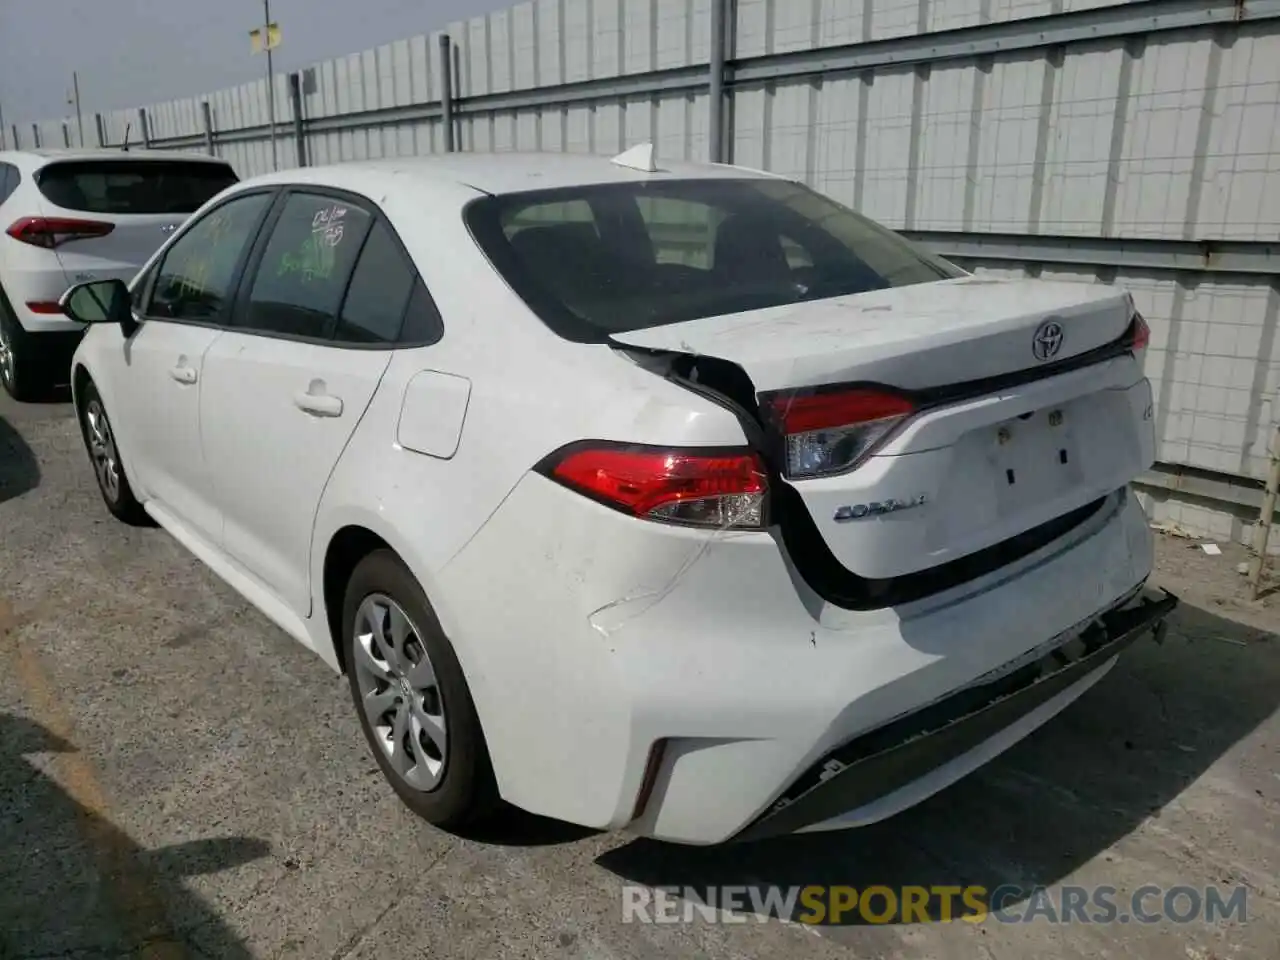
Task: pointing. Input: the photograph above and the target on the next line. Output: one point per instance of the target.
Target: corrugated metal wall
(1065, 126)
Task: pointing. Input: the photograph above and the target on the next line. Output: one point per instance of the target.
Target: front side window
(197, 275)
(609, 258)
(306, 266)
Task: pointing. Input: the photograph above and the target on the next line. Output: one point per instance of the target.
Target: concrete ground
(179, 779)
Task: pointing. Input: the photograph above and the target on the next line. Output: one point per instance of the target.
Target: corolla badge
(1047, 341)
(876, 508)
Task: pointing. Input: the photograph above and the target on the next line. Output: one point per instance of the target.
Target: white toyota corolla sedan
(665, 497)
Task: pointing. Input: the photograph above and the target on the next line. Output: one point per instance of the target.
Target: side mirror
(100, 301)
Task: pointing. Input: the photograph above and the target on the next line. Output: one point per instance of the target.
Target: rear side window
(609, 258)
(423, 324)
(306, 266)
(123, 187)
(9, 180)
(380, 286)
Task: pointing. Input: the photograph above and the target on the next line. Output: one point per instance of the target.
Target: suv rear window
(133, 187)
(596, 260)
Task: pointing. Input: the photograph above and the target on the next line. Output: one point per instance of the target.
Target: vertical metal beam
(446, 90)
(75, 87)
(101, 128)
(142, 125)
(1262, 532)
(299, 130)
(16, 142)
(207, 115)
(715, 144)
(66, 135)
(35, 133)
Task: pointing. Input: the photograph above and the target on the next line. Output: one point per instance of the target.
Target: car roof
(497, 173)
(41, 156)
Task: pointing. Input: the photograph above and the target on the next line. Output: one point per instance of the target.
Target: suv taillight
(693, 487)
(1138, 334)
(832, 431)
(51, 232)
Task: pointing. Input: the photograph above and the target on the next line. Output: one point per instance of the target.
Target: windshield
(597, 260)
(133, 186)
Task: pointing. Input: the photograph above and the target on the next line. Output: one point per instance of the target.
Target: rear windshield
(133, 187)
(605, 259)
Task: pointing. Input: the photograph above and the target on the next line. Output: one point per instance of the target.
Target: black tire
(466, 793)
(21, 374)
(119, 497)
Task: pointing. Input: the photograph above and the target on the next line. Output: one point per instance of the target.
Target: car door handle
(183, 374)
(318, 404)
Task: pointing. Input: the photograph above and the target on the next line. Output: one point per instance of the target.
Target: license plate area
(1035, 457)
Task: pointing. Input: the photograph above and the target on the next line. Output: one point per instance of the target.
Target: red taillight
(44, 306)
(1139, 333)
(797, 413)
(51, 232)
(692, 487)
(833, 431)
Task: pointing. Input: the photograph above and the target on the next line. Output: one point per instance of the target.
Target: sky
(134, 52)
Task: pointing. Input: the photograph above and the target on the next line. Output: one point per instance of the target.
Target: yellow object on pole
(272, 33)
(267, 38)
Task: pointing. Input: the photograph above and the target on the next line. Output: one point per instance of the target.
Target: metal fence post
(16, 142)
(142, 125)
(101, 128)
(35, 134)
(207, 114)
(299, 129)
(66, 135)
(446, 90)
(715, 146)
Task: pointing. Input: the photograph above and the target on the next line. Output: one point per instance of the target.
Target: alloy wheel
(102, 448)
(400, 693)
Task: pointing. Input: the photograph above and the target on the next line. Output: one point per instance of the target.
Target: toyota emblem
(1047, 341)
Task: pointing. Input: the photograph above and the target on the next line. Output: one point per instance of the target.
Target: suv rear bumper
(50, 352)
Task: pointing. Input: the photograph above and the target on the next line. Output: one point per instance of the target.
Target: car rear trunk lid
(1026, 404)
(914, 337)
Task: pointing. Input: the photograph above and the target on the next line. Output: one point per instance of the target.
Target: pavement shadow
(1054, 801)
(19, 471)
(513, 827)
(73, 884)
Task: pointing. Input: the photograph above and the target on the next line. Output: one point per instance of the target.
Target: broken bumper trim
(890, 757)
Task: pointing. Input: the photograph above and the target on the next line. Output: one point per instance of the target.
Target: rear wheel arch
(357, 536)
(347, 547)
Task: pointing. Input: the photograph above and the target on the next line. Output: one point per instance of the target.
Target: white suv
(73, 216)
(683, 500)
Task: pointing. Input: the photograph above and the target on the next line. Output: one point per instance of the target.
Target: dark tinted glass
(9, 178)
(379, 290)
(197, 273)
(133, 186)
(305, 267)
(422, 323)
(609, 258)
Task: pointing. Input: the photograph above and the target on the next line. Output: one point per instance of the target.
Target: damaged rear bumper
(873, 776)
